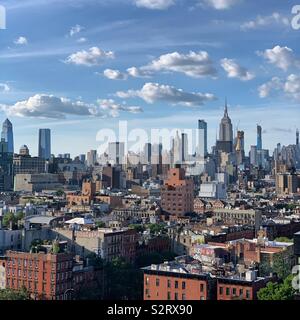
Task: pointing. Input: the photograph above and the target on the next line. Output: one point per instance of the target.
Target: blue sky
(64, 65)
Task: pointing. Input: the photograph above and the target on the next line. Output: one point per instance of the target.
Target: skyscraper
(45, 144)
(7, 135)
(259, 137)
(116, 152)
(202, 136)
(184, 147)
(225, 142)
(297, 137)
(226, 132)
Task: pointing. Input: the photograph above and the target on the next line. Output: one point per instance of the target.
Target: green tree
(8, 218)
(278, 291)
(59, 193)
(284, 239)
(124, 281)
(9, 294)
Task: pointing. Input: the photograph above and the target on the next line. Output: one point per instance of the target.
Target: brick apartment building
(168, 285)
(45, 276)
(177, 194)
(187, 280)
(240, 289)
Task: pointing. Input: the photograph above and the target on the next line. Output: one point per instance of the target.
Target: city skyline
(95, 55)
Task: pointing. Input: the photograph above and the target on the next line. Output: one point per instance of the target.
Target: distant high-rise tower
(7, 135)
(297, 137)
(45, 144)
(202, 136)
(259, 137)
(226, 132)
(184, 147)
(225, 142)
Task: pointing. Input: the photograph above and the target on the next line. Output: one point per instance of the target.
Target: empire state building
(225, 142)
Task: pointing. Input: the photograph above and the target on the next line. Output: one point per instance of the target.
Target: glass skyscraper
(45, 144)
(202, 136)
(7, 135)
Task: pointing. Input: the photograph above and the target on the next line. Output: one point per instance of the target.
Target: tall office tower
(7, 135)
(297, 137)
(184, 147)
(226, 131)
(177, 149)
(91, 158)
(225, 142)
(259, 137)
(6, 167)
(82, 158)
(45, 144)
(253, 155)
(116, 152)
(147, 153)
(239, 149)
(202, 136)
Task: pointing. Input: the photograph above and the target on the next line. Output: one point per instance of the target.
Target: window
(176, 296)
(234, 291)
(157, 282)
(247, 294)
(183, 285)
(241, 292)
(176, 284)
(147, 292)
(169, 283)
(169, 296)
(183, 296)
(201, 287)
(227, 291)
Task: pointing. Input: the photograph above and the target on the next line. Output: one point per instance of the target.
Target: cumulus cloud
(234, 70)
(154, 92)
(92, 57)
(221, 4)
(21, 41)
(155, 4)
(114, 74)
(139, 72)
(4, 87)
(292, 86)
(75, 30)
(265, 89)
(264, 21)
(281, 57)
(49, 106)
(114, 108)
(193, 64)
(289, 86)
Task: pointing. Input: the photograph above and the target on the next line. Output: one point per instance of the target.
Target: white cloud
(281, 57)
(4, 87)
(292, 86)
(154, 92)
(193, 64)
(82, 40)
(93, 57)
(49, 106)
(155, 4)
(289, 86)
(114, 108)
(221, 4)
(21, 41)
(266, 89)
(114, 74)
(236, 71)
(138, 72)
(75, 30)
(264, 21)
